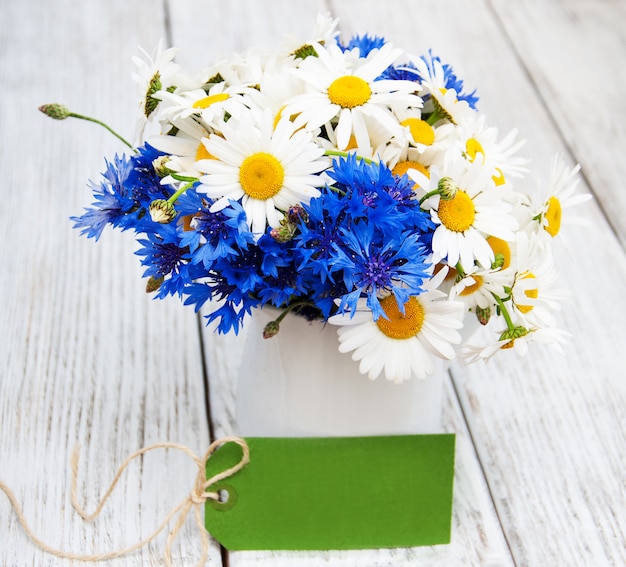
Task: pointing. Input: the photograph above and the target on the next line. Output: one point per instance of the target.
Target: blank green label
(334, 493)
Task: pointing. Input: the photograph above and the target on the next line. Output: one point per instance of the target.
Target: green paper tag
(334, 493)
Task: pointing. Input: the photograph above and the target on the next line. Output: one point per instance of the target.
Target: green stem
(346, 154)
(434, 117)
(459, 269)
(178, 193)
(89, 119)
(429, 195)
(290, 308)
(337, 190)
(505, 313)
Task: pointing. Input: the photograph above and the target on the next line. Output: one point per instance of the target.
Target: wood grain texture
(85, 356)
(573, 52)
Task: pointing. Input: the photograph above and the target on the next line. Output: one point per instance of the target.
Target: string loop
(195, 499)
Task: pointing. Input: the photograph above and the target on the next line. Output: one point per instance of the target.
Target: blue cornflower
(375, 194)
(113, 200)
(451, 81)
(211, 235)
(122, 198)
(374, 264)
(366, 223)
(164, 258)
(143, 181)
(364, 43)
(406, 72)
(317, 237)
(242, 270)
(283, 279)
(234, 303)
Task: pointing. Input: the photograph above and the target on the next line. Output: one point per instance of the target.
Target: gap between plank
(207, 406)
(483, 470)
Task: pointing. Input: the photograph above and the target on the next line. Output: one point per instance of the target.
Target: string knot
(196, 498)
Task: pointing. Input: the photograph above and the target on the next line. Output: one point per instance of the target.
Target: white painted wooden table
(86, 357)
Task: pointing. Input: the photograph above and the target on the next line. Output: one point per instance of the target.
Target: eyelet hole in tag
(227, 497)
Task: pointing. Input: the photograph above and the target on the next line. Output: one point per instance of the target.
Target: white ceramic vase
(297, 383)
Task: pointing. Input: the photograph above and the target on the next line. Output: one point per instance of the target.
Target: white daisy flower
(268, 169)
(185, 148)
(477, 288)
(275, 87)
(344, 90)
(533, 292)
(210, 106)
(444, 100)
(477, 210)
(401, 345)
(478, 141)
(517, 341)
(560, 194)
(250, 66)
(325, 31)
(420, 143)
(155, 72)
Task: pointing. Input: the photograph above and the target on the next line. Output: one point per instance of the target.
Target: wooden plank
(477, 538)
(573, 50)
(85, 356)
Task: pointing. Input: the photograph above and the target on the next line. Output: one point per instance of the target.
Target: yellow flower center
(207, 101)
(203, 153)
(500, 246)
(349, 91)
(399, 326)
(532, 293)
(403, 166)
(553, 216)
(421, 131)
(352, 144)
(478, 282)
(473, 148)
(261, 176)
(498, 177)
(457, 214)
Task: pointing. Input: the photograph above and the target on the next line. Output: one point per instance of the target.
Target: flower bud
(271, 329)
(162, 211)
(447, 188)
(289, 224)
(160, 166)
(154, 283)
(297, 213)
(56, 111)
(483, 315)
(283, 233)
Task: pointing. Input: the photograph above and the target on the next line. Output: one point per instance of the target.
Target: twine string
(195, 499)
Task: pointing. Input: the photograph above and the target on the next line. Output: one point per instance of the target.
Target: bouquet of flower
(351, 183)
